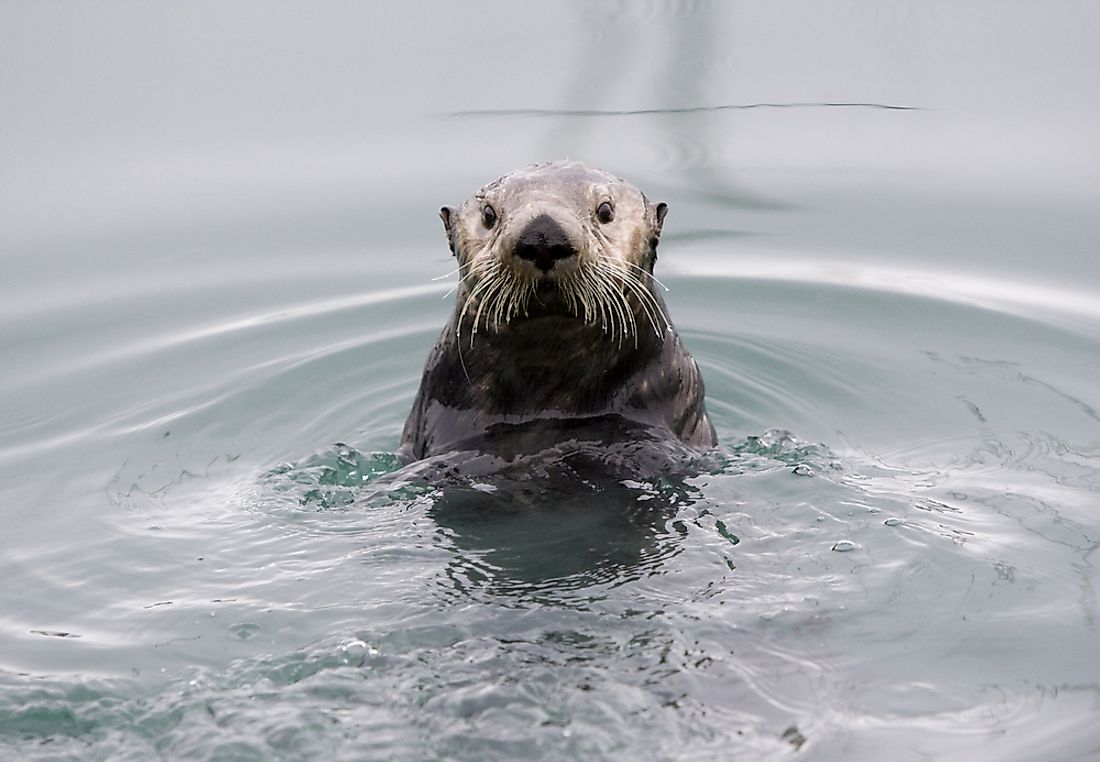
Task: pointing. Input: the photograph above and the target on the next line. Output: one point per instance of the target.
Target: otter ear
(447, 214)
(660, 209)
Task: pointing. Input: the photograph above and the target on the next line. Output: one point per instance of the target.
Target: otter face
(558, 239)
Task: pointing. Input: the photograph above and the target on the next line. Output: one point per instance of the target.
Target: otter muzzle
(543, 242)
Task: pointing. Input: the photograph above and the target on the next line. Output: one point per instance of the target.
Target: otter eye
(605, 212)
(488, 217)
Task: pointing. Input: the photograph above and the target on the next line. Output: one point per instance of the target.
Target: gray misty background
(328, 125)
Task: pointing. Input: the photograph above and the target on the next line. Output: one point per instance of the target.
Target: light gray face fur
(608, 279)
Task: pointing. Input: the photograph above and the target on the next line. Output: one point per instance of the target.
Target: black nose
(544, 243)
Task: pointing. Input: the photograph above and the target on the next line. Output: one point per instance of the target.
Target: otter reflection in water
(559, 333)
(554, 536)
(566, 519)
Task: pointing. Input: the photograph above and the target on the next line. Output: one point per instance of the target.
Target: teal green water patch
(334, 478)
(778, 447)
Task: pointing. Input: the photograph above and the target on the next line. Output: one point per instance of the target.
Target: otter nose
(543, 242)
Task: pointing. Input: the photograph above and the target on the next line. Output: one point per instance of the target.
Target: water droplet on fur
(844, 546)
(892, 522)
(803, 469)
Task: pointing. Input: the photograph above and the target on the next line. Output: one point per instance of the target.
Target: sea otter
(559, 333)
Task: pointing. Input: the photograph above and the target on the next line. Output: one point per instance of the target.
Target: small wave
(1014, 297)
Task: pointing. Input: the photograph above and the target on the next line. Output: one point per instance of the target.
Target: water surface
(219, 249)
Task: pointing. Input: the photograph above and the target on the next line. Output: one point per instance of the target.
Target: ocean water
(223, 271)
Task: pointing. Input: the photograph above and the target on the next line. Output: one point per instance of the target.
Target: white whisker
(604, 290)
(448, 275)
(648, 303)
(648, 274)
(614, 296)
(495, 284)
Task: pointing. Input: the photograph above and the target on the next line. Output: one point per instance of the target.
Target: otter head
(559, 239)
